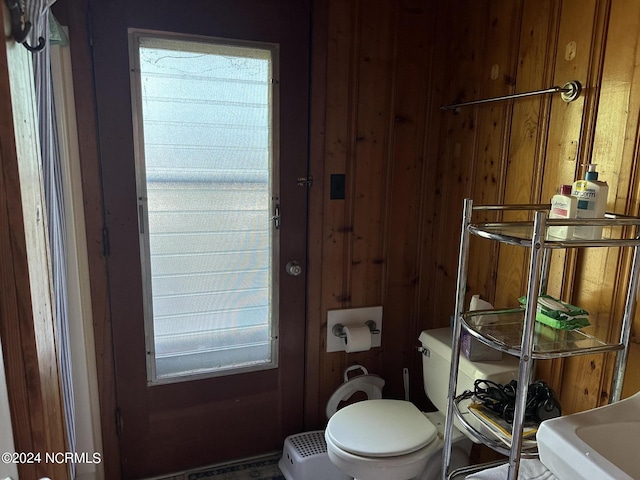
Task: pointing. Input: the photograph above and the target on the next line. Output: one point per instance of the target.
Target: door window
(206, 163)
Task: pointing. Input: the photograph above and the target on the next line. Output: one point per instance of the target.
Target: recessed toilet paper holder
(364, 319)
(338, 329)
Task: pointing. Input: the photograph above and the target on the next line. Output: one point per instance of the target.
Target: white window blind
(205, 168)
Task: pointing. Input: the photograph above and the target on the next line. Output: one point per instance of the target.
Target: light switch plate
(352, 317)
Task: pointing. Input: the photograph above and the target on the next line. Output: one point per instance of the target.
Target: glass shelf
(475, 428)
(502, 330)
(521, 233)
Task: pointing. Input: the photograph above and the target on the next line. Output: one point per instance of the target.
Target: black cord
(541, 404)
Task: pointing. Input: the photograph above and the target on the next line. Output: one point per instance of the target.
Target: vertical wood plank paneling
(618, 105)
(342, 35)
(466, 39)
(405, 172)
(623, 91)
(567, 121)
(538, 22)
(564, 128)
(338, 147)
(371, 161)
(615, 151)
(516, 152)
(598, 270)
(498, 75)
(437, 94)
(371, 150)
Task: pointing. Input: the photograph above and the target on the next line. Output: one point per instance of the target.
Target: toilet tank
(436, 365)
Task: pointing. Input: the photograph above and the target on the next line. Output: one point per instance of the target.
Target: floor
(264, 467)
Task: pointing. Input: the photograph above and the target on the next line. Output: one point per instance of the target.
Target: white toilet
(391, 439)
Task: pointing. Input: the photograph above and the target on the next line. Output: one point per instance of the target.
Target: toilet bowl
(423, 464)
(391, 439)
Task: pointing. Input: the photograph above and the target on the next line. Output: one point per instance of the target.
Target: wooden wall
(521, 151)
(381, 70)
(372, 102)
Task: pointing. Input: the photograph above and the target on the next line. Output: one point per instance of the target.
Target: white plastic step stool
(304, 457)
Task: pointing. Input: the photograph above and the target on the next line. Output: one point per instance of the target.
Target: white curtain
(37, 12)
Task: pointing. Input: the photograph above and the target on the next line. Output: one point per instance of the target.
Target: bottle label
(586, 205)
(586, 197)
(559, 212)
(582, 191)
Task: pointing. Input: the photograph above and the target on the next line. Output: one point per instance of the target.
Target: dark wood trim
(75, 14)
(314, 344)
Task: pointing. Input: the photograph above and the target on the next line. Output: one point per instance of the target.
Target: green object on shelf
(558, 314)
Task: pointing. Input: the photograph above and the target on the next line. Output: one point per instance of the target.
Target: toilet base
(460, 449)
(433, 469)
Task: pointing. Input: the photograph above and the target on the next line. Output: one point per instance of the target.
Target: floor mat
(265, 468)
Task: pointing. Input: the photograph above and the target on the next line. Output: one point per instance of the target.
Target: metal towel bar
(569, 92)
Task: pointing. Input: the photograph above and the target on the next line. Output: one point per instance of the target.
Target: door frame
(74, 14)
(27, 332)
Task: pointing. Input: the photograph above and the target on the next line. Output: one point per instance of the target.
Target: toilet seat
(370, 385)
(380, 428)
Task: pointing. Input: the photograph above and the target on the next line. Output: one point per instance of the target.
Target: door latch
(276, 217)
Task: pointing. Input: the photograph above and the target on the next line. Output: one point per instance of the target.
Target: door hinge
(106, 248)
(305, 181)
(118, 421)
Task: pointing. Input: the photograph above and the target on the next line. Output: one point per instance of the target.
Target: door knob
(293, 268)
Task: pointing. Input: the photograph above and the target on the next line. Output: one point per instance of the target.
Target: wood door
(168, 427)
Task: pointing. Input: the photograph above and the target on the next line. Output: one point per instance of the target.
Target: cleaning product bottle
(563, 205)
(592, 202)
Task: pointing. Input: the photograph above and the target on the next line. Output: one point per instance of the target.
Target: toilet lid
(380, 428)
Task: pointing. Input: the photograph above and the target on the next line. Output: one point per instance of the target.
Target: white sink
(599, 444)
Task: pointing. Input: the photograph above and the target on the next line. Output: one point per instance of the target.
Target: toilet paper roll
(358, 339)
